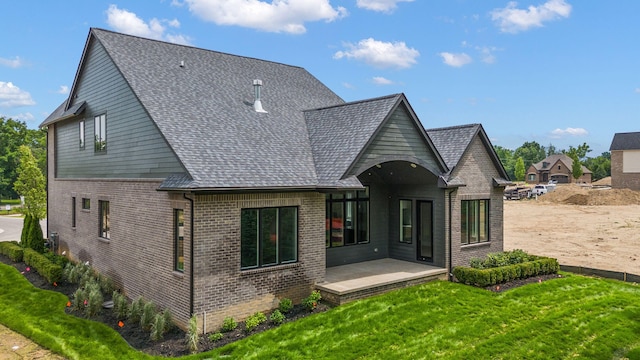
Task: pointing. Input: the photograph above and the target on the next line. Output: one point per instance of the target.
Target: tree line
(516, 162)
(13, 134)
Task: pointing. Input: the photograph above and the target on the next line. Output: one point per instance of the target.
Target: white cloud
(638, 90)
(12, 63)
(380, 54)
(64, 89)
(513, 20)
(380, 5)
(486, 53)
(455, 60)
(286, 16)
(12, 96)
(23, 117)
(348, 85)
(127, 22)
(379, 80)
(557, 133)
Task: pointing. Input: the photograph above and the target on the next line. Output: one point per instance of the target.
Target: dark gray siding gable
(398, 137)
(135, 147)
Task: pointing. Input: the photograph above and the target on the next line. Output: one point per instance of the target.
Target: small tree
(519, 169)
(576, 166)
(31, 185)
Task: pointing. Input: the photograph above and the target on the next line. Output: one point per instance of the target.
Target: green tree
(519, 169)
(600, 166)
(531, 153)
(576, 166)
(581, 151)
(551, 150)
(13, 134)
(31, 185)
(506, 158)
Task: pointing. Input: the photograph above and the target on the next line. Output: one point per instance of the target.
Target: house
(216, 184)
(557, 167)
(625, 161)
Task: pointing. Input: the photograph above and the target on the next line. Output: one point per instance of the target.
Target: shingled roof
(452, 143)
(625, 141)
(552, 159)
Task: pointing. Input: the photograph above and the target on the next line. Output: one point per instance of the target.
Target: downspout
(46, 185)
(450, 234)
(191, 261)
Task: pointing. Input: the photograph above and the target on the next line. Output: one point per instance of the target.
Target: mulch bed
(173, 343)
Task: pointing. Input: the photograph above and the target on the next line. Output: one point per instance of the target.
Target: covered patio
(350, 282)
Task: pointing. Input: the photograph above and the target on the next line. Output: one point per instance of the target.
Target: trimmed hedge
(49, 270)
(12, 250)
(497, 275)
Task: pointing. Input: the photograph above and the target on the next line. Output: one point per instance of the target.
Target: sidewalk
(14, 346)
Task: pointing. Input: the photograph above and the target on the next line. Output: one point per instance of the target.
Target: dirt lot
(597, 228)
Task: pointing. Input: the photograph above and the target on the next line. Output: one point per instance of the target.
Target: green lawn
(573, 317)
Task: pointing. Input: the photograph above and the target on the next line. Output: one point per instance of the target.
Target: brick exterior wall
(619, 179)
(221, 288)
(477, 170)
(139, 254)
(554, 170)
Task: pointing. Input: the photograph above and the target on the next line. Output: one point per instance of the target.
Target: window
(100, 127)
(104, 219)
(178, 253)
(475, 221)
(406, 226)
(73, 211)
(532, 177)
(81, 134)
(86, 204)
(268, 236)
(347, 218)
(559, 167)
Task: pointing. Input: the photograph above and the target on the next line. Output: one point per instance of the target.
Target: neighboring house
(216, 184)
(625, 161)
(558, 167)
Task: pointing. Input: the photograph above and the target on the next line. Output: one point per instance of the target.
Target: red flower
(28, 268)
(85, 302)
(55, 283)
(68, 303)
(120, 323)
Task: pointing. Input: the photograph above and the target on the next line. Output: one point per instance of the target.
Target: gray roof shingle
(625, 141)
(340, 132)
(552, 159)
(451, 142)
(205, 111)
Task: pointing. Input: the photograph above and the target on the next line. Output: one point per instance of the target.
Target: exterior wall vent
(257, 104)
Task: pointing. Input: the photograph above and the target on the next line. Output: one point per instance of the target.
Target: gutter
(191, 261)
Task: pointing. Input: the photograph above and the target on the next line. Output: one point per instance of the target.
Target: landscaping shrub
(24, 235)
(311, 302)
(168, 320)
(277, 317)
(192, 334)
(136, 310)
(12, 250)
(35, 239)
(285, 305)
(94, 299)
(158, 326)
(215, 336)
(79, 299)
(505, 258)
(229, 324)
(148, 315)
(496, 275)
(254, 320)
(120, 305)
(50, 271)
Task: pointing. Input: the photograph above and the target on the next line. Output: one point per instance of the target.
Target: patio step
(355, 288)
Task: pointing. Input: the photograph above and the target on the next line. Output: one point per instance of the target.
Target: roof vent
(257, 104)
(181, 63)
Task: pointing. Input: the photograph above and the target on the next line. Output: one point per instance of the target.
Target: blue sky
(558, 72)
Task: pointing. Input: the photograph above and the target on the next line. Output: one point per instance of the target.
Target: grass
(573, 317)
